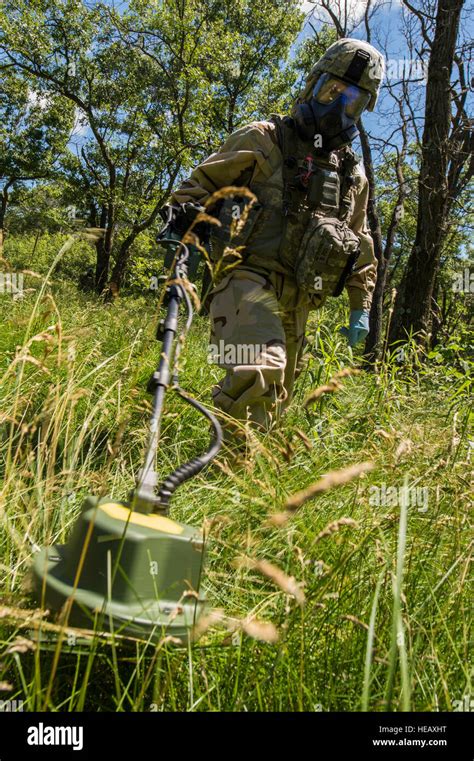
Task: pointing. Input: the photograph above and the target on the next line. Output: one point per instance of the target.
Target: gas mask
(332, 112)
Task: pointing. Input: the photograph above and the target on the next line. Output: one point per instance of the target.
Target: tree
(71, 51)
(34, 129)
(157, 87)
(446, 166)
(211, 67)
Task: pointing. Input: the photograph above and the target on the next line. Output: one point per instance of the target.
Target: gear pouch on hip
(328, 253)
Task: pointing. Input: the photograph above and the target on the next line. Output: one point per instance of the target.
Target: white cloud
(35, 99)
(355, 8)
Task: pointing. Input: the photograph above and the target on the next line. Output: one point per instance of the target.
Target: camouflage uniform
(259, 302)
(268, 312)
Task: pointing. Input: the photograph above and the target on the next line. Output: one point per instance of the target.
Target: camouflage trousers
(257, 335)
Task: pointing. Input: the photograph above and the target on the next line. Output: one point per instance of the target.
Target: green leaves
(153, 89)
(34, 128)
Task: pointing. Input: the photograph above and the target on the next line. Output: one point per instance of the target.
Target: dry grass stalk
(203, 217)
(264, 631)
(329, 388)
(328, 481)
(301, 435)
(286, 451)
(278, 519)
(345, 373)
(20, 645)
(232, 256)
(383, 434)
(188, 287)
(356, 621)
(333, 385)
(230, 190)
(18, 614)
(33, 619)
(404, 447)
(287, 584)
(32, 274)
(333, 528)
(214, 618)
(91, 234)
(217, 521)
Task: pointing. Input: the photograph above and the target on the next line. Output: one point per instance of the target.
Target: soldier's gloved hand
(358, 328)
(174, 229)
(179, 219)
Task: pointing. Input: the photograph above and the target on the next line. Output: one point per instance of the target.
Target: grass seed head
(328, 481)
(264, 631)
(287, 584)
(333, 528)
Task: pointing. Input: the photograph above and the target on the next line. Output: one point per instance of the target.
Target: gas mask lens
(329, 88)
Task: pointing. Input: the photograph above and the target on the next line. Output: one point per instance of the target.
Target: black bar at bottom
(323, 735)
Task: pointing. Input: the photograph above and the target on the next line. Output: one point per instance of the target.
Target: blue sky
(387, 35)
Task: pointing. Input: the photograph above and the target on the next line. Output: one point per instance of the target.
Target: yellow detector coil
(157, 522)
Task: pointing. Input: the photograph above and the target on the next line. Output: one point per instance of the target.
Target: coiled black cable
(191, 468)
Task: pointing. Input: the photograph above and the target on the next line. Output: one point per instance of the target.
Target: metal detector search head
(126, 572)
(125, 569)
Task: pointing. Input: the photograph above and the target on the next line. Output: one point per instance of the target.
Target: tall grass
(383, 624)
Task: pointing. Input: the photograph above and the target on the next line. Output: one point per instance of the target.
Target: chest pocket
(324, 190)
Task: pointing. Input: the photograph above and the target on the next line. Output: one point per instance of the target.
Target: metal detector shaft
(145, 494)
(145, 497)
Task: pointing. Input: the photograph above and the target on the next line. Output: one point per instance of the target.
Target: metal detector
(127, 567)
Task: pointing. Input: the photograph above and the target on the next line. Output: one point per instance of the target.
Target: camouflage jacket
(252, 156)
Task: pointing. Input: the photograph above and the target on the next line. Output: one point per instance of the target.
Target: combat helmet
(354, 61)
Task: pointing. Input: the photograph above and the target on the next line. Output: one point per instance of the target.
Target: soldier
(306, 237)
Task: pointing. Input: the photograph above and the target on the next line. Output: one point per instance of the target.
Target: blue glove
(358, 327)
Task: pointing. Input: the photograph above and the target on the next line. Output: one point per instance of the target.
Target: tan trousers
(257, 335)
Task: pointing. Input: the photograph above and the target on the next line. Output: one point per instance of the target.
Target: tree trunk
(376, 312)
(93, 215)
(103, 248)
(436, 323)
(3, 210)
(118, 272)
(121, 262)
(414, 299)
